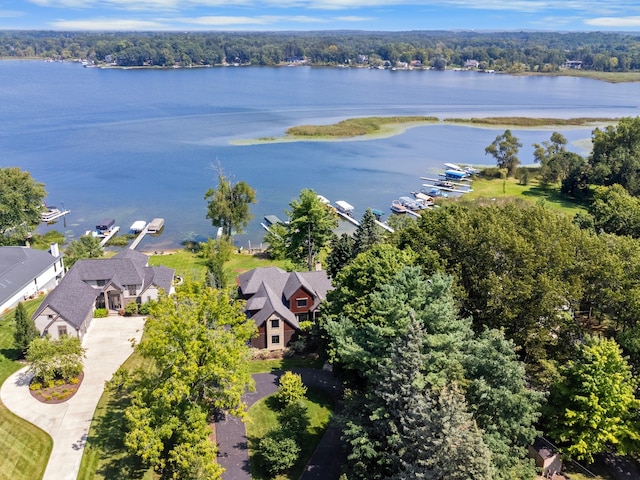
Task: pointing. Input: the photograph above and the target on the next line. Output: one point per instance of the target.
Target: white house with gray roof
(26, 272)
(278, 301)
(100, 283)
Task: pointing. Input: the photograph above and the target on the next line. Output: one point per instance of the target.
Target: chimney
(55, 251)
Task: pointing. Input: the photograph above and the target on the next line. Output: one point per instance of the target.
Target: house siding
(47, 280)
(300, 294)
(261, 340)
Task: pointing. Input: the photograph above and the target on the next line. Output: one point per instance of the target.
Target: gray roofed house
(100, 283)
(278, 301)
(26, 272)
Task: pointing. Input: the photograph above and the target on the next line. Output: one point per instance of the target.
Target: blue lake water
(138, 144)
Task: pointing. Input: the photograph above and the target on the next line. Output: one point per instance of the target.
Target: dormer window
(301, 302)
(101, 283)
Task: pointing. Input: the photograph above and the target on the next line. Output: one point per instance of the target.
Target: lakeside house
(26, 272)
(109, 283)
(278, 301)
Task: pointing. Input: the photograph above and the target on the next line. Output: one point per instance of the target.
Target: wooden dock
(348, 218)
(109, 235)
(139, 238)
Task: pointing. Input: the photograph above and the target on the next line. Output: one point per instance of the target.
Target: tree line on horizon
(500, 51)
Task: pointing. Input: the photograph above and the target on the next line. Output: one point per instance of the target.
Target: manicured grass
(354, 127)
(185, 263)
(241, 262)
(105, 456)
(25, 448)
(263, 417)
(275, 364)
(495, 188)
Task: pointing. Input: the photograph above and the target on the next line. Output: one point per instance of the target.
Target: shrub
(100, 313)
(143, 309)
(491, 172)
(131, 309)
(277, 452)
(291, 389)
(35, 386)
(74, 380)
(59, 381)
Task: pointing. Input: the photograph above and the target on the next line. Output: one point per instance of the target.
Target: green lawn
(25, 448)
(190, 265)
(263, 417)
(276, 364)
(533, 192)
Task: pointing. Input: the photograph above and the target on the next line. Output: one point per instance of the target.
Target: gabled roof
(266, 288)
(19, 266)
(74, 297)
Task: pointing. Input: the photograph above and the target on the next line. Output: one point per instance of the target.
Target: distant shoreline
(396, 128)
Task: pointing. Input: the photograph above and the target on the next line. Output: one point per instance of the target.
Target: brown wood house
(278, 301)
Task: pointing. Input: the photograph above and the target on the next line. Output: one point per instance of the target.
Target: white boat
(453, 166)
(324, 200)
(52, 214)
(137, 226)
(344, 207)
(410, 203)
(434, 192)
(440, 187)
(427, 200)
(155, 225)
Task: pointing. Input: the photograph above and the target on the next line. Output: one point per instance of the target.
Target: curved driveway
(233, 451)
(108, 346)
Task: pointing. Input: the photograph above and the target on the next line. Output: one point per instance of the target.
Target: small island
(368, 128)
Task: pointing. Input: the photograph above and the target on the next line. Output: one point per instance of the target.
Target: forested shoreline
(512, 52)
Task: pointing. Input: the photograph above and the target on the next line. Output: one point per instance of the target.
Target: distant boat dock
(154, 226)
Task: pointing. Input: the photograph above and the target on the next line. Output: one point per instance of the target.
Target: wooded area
(500, 51)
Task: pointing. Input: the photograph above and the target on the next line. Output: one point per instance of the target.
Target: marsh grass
(355, 127)
(531, 122)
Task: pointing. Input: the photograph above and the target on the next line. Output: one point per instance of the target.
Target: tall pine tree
(26, 330)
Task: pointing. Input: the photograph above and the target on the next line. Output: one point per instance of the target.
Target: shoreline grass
(26, 448)
(530, 122)
(354, 127)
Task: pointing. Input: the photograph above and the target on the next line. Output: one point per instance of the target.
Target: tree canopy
(197, 343)
(21, 204)
(505, 149)
(228, 204)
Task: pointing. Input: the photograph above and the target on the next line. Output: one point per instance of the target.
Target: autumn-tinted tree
(593, 408)
(505, 150)
(310, 228)
(196, 343)
(228, 204)
(21, 200)
(25, 331)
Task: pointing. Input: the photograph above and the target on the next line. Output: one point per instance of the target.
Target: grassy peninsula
(355, 127)
(531, 122)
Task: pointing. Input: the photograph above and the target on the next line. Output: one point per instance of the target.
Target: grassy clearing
(25, 448)
(190, 265)
(611, 77)
(276, 364)
(105, 456)
(263, 417)
(496, 188)
(531, 122)
(354, 127)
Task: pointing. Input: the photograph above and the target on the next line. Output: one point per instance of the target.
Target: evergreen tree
(367, 234)
(25, 331)
(341, 253)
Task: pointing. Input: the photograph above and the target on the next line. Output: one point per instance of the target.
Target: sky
(285, 15)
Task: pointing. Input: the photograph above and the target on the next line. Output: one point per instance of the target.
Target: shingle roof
(19, 266)
(74, 298)
(267, 287)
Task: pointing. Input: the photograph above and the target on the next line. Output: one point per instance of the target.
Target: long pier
(108, 236)
(139, 238)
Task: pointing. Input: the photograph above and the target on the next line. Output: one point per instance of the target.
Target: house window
(62, 331)
(275, 339)
(301, 302)
(101, 283)
(275, 323)
(132, 289)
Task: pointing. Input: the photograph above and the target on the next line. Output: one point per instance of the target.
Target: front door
(114, 301)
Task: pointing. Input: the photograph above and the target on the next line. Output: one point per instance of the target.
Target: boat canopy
(344, 206)
(105, 224)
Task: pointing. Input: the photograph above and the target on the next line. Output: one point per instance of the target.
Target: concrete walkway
(233, 449)
(108, 346)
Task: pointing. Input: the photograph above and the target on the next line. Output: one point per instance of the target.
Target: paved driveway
(233, 450)
(108, 346)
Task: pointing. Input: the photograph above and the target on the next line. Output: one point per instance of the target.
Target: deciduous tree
(228, 204)
(21, 200)
(505, 150)
(593, 408)
(197, 343)
(51, 359)
(84, 247)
